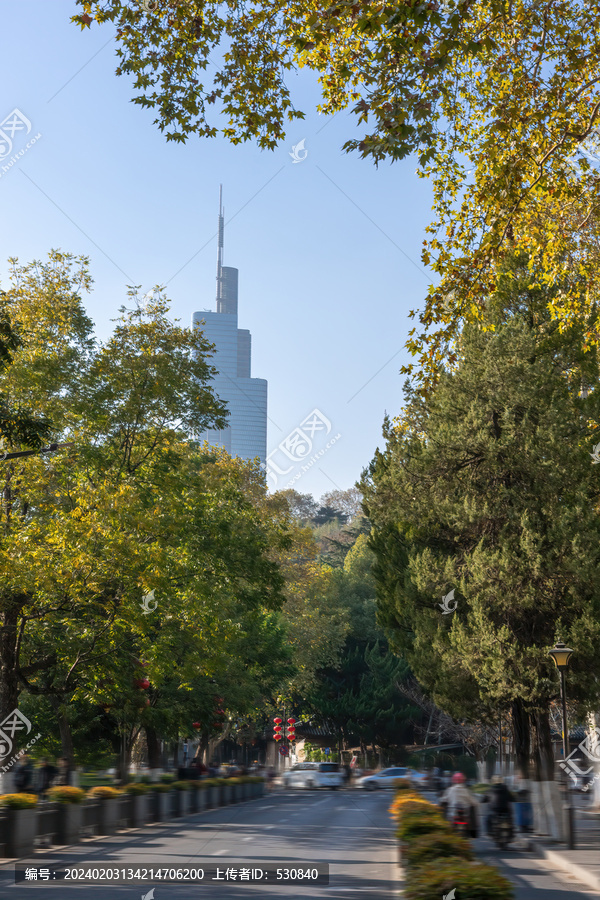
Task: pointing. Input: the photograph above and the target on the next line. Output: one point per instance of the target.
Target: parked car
(314, 775)
(387, 778)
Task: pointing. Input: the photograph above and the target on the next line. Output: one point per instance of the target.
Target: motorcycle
(461, 823)
(502, 829)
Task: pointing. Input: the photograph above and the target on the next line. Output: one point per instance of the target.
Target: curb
(560, 861)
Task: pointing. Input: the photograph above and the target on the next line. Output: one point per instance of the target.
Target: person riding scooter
(459, 797)
(500, 799)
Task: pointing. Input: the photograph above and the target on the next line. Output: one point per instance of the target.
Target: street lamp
(561, 656)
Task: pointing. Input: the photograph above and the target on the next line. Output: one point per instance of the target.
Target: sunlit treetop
(494, 99)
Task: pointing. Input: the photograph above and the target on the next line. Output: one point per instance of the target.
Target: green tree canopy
(487, 489)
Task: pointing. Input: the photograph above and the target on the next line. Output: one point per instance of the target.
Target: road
(350, 830)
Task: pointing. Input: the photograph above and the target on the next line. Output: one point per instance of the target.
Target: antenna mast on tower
(220, 245)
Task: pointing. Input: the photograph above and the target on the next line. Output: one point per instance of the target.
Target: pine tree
(486, 488)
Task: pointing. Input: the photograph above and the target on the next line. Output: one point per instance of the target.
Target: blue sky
(328, 249)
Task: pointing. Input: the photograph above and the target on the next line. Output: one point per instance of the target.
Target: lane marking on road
(248, 839)
(219, 852)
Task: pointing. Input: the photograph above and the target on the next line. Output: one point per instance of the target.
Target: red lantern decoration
(291, 721)
(197, 725)
(219, 712)
(142, 683)
(277, 729)
(278, 721)
(277, 737)
(291, 733)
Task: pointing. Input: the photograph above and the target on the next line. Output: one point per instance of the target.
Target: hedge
(436, 845)
(470, 880)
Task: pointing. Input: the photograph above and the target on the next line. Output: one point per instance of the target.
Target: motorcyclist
(458, 796)
(500, 799)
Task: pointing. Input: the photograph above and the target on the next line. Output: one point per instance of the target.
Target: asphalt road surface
(349, 830)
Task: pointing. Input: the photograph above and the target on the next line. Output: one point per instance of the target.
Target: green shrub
(180, 785)
(435, 845)
(161, 788)
(65, 794)
(168, 779)
(18, 801)
(415, 824)
(472, 881)
(212, 782)
(145, 779)
(137, 788)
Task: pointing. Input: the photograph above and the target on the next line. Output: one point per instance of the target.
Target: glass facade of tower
(246, 397)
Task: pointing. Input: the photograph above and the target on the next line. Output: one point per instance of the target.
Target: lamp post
(561, 656)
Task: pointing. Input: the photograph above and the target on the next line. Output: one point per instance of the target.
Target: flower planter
(181, 803)
(109, 815)
(214, 796)
(21, 832)
(69, 820)
(238, 793)
(136, 810)
(226, 794)
(201, 798)
(161, 805)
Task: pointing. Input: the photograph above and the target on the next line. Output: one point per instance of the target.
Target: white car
(387, 778)
(314, 775)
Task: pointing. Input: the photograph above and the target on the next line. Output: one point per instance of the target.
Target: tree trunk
(153, 744)
(9, 677)
(521, 734)
(543, 752)
(64, 727)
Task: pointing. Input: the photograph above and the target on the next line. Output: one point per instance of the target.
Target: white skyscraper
(246, 397)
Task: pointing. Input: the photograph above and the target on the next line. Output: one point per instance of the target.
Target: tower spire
(220, 247)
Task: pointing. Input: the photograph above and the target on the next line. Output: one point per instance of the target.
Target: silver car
(387, 778)
(314, 775)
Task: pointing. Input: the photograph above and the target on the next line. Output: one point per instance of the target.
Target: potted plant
(69, 819)
(181, 798)
(226, 790)
(137, 805)
(197, 795)
(22, 823)
(212, 787)
(237, 789)
(160, 802)
(109, 807)
(258, 786)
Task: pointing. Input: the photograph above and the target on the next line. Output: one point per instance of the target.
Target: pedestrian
(523, 807)
(44, 776)
(24, 775)
(63, 776)
(199, 766)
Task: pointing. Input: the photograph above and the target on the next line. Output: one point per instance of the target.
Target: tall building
(246, 397)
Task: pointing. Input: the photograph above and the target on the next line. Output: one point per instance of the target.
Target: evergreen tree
(486, 489)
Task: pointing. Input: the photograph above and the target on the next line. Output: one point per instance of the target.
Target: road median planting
(436, 860)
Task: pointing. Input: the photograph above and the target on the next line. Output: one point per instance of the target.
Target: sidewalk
(583, 863)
